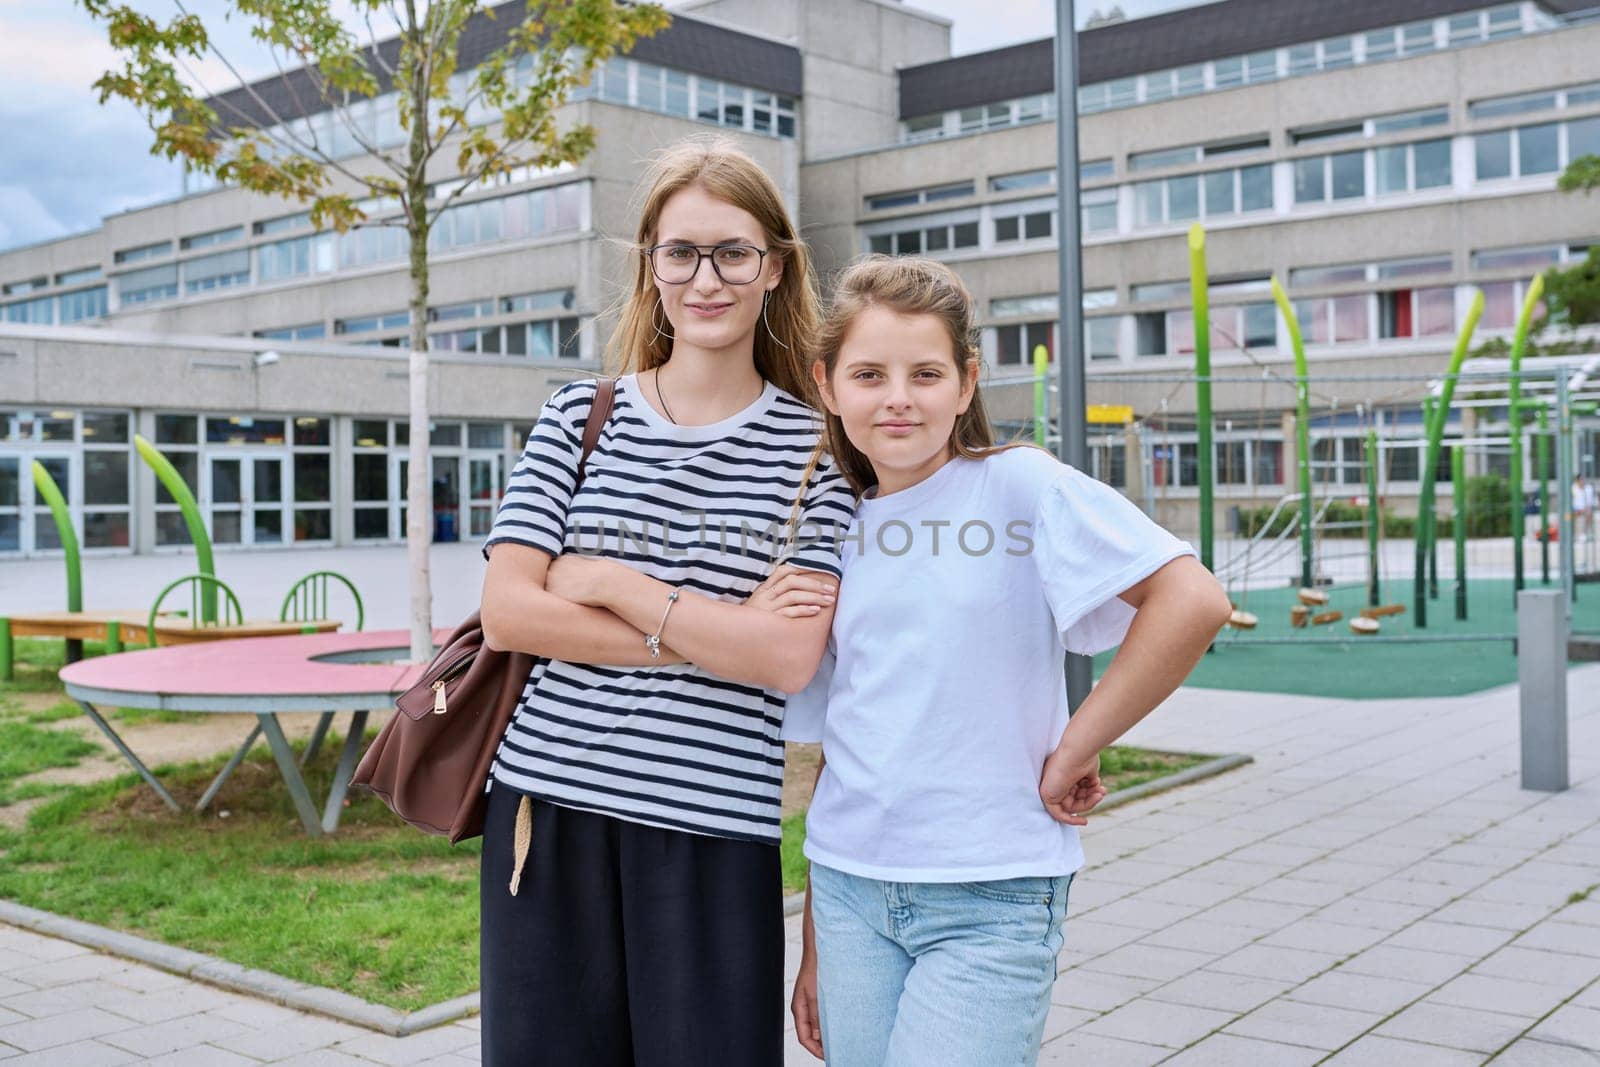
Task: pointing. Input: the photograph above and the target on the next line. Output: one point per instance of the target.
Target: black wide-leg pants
(628, 945)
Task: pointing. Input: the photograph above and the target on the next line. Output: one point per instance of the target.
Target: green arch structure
(1302, 425)
(51, 492)
(1519, 344)
(191, 517)
(1441, 413)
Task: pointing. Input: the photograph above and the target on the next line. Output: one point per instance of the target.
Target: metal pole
(1202, 390)
(1374, 594)
(1564, 481)
(1542, 688)
(1542, 448)
(1458, 523)
(1069, 255)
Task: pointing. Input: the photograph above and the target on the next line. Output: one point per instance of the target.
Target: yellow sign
(1117, 414)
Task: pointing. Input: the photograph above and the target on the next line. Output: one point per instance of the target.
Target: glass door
(483, 483)
(242, 498)
(447, 503)
(10, 502)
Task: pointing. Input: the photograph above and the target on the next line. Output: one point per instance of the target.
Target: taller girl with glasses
(631, 888)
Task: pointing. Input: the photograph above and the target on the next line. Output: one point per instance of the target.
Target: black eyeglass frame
(701, 255)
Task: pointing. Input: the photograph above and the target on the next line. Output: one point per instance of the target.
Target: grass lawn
(378, 909)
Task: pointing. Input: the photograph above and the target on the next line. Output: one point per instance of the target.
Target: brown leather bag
(430, 761)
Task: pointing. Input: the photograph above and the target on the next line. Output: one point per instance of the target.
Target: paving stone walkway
(1374, 889)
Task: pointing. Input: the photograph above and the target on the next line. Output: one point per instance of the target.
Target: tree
(242, 139)
(1581, 175)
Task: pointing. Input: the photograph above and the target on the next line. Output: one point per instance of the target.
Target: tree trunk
(419, 484)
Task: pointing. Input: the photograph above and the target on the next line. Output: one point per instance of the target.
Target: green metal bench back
(199, 586)
(308, 598)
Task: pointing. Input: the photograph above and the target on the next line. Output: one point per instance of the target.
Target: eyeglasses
(676, 264)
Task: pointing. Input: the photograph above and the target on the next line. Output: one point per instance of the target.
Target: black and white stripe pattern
(708, 509)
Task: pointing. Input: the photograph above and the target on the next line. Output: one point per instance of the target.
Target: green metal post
(47, 488)
(1202, 389)
(5, 649)
(1519, 344)
(1374, 593)
(113, 637)
(1041, 408)
(1302, 417)
(1542, 446)
(1436, 425)
(1458, 523)
(191, 517)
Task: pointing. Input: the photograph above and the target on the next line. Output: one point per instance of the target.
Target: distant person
(1583, 505)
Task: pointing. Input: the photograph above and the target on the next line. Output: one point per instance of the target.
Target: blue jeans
(918, 973)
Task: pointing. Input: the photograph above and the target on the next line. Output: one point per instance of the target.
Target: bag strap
(599, 411)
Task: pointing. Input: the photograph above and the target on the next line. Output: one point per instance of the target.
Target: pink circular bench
(322, 673)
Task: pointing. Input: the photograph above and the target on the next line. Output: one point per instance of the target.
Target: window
(297, 256)
(1099, 211)
(1337, 177)
(1260, 67)
(1164, 157)
(1406, 168)
(1410, 120)
(1228, 72)
(285, 224)
(925, 128)
(1407, 268)
(1100, 337)
(1226, 192)
(1512, 105)
(313, 331)
(39, 311)
(1014, 344)
(1418, 37)
(1300, 277)
(1150, 333)
(1032, 179)
(1536, 257)
(144, 286)
(1465, 29)
(1026, 226)
(150, 251)
(394, 320)
(1531, 150)
(220, 270)
(368, 244)
(1382, 44)
(1338, 52)
(214, 237)
(1302, 59)
(1416, 312)
(76, 277)
(926, 234)
(83, 305)
(1504, 22)
(885, 201)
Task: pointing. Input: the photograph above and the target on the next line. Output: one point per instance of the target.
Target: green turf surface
(1365, 667)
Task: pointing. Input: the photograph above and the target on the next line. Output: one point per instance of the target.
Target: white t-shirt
(943, 690)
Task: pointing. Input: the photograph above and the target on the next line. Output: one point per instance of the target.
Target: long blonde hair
(722, 169)
(909, 285)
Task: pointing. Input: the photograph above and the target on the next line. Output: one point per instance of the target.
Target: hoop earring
(764, 298)
(664, 336)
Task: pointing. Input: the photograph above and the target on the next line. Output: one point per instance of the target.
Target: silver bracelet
(653, 641)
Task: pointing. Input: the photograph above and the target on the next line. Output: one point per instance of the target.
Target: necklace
(662, 397)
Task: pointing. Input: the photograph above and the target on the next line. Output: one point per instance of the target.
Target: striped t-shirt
(708, 509)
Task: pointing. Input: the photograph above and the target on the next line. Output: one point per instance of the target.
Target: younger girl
(943, 832)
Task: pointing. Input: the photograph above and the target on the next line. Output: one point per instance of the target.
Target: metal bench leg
(347, 767)
(5, 649)
(291, 773)
(233, 764)
(323, 722)
(127, 754)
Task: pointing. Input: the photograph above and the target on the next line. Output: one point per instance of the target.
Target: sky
(69, 161)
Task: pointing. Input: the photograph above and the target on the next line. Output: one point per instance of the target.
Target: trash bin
(444, 526)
